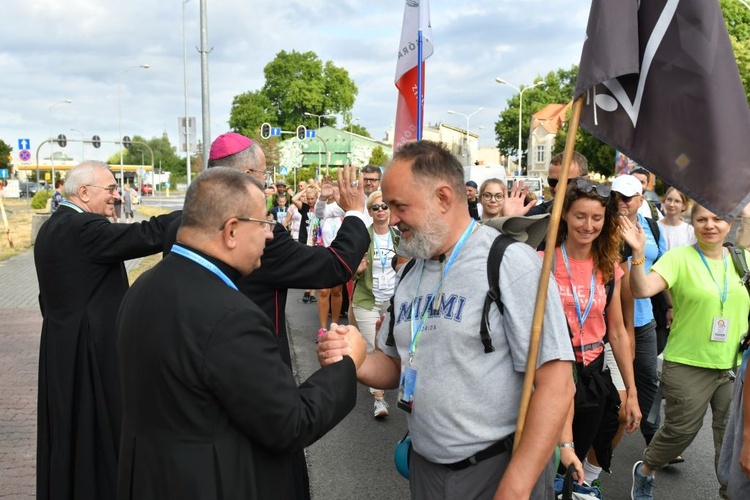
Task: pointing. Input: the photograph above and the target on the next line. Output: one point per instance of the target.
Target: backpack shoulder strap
(740, 264)
(390, 341)
(494, 259)
(654, 226)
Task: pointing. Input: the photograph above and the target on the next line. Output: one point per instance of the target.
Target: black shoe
(306, 297)
(313, 299)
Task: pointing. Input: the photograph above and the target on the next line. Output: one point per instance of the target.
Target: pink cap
(228, 144)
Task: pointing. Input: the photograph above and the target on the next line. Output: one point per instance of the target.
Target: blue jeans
(646, 381)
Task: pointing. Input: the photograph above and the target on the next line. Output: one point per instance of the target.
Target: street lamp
(119, 116)
(76, 130)
(185, 76)
(520, 114)
(468, 117)
(317, 133)
(351, 153)
(51, 144)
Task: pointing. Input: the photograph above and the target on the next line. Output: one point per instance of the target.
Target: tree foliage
(379, 157)
(164, 156)
(601, 156)
(296, 83)
(737, 19)
(556, 87)
(5, 150)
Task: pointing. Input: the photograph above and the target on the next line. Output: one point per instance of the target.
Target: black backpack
(740, 265)
(495, 257)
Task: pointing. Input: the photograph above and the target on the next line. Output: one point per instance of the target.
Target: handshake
(340, 341)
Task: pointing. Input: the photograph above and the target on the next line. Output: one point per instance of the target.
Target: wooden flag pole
(549, 252)
(5, 222)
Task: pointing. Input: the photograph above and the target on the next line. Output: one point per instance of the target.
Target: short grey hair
(432, 161)
(82, 174)
(216, 195)
(248, 158)
(578, 159)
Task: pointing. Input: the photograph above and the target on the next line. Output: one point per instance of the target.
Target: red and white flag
(416, 18)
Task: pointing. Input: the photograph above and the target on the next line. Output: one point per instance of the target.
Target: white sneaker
(380, 408)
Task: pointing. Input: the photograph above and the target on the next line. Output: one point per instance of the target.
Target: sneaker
(313, 299)
(320, 334)
(380, 408)
(306, 297)
(597, 483)
(643, 485)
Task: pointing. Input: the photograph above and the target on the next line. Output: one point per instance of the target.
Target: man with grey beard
(462, 402)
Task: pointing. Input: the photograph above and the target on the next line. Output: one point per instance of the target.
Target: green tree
(5, 151)
(557, 87)
(379, 157)
(296, 83)
(164, 156)
(737, 19)
(600, 155)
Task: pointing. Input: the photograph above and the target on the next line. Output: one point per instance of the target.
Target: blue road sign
(3, 173)
(275, 131)
(24, 144)
(309, 134)
(283, 170)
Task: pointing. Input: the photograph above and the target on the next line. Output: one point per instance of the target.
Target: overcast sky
(51, 51)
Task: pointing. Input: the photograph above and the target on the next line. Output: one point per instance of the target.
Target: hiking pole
(549, 253)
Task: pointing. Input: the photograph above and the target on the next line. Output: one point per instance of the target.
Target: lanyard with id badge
(720, 326)
(381, 282)
(408, 380)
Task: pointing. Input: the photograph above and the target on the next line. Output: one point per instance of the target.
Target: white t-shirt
(383, 276)
(677, 236)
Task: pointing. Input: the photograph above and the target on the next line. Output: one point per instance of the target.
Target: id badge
(376, 283)
(383, 283)
(406, 389)
(720, 330)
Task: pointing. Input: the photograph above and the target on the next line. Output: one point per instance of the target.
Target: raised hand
(351, 191)
(515, 202)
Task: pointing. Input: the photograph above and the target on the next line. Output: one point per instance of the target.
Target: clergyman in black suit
(79, 258)
(210, 408)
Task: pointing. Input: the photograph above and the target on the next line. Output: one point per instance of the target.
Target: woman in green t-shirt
(710, 315)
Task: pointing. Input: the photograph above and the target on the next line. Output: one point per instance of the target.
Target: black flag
(660, 83)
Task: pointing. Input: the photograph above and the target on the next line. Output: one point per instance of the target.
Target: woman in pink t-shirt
(587, 273)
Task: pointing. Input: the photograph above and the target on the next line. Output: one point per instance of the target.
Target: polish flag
(416, 17)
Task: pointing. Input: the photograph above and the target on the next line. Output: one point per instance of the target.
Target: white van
(480, 173)
(535, 185)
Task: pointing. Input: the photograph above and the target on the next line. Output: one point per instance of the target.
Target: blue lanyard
(417, 324)
(382, 255)
(592, 288)
(189, 254)
(68, 204)
(722, 293)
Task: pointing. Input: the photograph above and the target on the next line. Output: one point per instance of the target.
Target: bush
(40, 199)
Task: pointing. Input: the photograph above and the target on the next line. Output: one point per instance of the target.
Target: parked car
(29, 189)
(147, 189)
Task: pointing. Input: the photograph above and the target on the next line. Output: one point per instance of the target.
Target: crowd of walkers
(640, 313)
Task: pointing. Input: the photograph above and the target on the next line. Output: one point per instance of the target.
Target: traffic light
(126, 142)
(301, 132)
(96, 141)
(62, 141)
(265, 131)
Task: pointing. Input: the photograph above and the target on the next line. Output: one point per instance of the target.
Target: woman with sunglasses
(375, 282)
(629, 197)
(586, 268)
(710, 316)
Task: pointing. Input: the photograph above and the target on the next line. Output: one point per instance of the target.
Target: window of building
(540, 153)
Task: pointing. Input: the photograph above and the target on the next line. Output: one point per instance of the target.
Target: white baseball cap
(627, 185)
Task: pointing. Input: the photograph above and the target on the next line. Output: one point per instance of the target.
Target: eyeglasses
(267, 224)
(490, 196)
(553, 182)
(587, 186)
(376, 207)
(111, 188)
(370, 180)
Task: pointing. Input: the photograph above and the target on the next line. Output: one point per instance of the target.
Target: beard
(424, 241)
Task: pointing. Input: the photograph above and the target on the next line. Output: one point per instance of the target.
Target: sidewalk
(20, 327)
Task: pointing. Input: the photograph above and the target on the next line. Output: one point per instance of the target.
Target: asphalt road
(355, 460)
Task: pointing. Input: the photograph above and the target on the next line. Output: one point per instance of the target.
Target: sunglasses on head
(586, 186)
(553, 182)
(375, 208)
